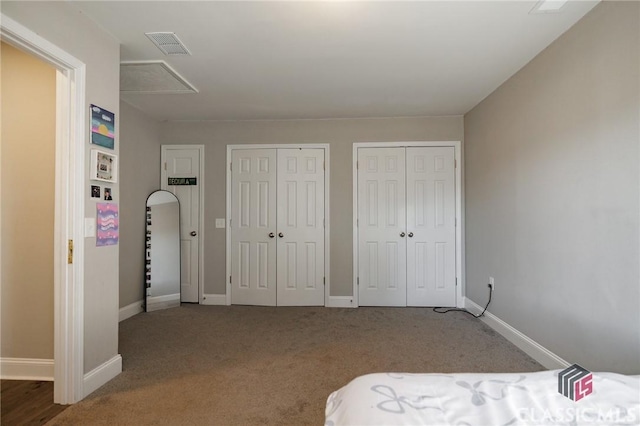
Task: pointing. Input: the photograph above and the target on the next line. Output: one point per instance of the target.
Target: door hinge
(165, 165)
(231, 167)
(324, 280)
(357, 165)
(456, 281)
(323, 168)
(229, 279)
(358, 280)
(455, 164)
(70, 252)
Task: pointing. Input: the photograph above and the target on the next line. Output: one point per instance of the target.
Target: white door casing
(185, 162)
(300, 218)
(431, 216)
(253, 227)
(382, 227)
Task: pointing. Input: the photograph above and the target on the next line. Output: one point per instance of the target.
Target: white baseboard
(101, 375)
(532, 348)
(214, 299)
(333, 302)
(130, 310)
(340, 302)
(26, 369)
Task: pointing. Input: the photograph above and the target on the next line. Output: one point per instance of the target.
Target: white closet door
(300, 269)
(431, 253)
(381, 227)
(253, 215)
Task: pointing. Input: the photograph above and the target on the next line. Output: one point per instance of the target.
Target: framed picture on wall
(103, 127)
(104, 166)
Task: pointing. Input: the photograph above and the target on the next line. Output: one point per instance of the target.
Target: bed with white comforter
(482, 399)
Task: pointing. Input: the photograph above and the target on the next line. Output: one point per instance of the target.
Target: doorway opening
(68, 273)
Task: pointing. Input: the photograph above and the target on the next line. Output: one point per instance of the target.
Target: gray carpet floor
(244, 365)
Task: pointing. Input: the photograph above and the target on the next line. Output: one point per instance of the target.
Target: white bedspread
(482, 399)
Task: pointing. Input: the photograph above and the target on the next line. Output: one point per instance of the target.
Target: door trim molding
(327, 210)
(457, 145)
(68, 280)
(163, 185)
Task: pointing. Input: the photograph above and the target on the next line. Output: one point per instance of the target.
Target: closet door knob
(402, 234)
(281, 235)
(271, 235)
(410, 234)
(193, 233)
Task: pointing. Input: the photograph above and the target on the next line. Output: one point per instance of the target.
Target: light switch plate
(89, 227)
(219, 223)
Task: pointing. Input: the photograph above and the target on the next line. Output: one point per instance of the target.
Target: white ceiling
(306, 60)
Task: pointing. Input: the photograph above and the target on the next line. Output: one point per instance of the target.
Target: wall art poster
(103, 127)
(107, 224)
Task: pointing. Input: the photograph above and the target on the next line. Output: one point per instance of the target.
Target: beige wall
(140, 174)
(552, 202)
(28, 160)
(80, 37)
(340, 134)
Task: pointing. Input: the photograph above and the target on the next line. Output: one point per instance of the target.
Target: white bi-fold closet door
(277, 227)
(406, 226)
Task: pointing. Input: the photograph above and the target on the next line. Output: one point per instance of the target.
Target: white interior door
(253, 227)
(381, 227)
(431, 215)
(181, 176)
(300, 218)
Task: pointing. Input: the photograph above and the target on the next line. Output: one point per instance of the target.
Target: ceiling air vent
(152, 77)
(168, 43)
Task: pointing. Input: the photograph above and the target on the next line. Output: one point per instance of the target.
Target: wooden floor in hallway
(27, 402)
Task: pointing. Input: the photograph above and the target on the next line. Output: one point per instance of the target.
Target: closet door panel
(381, 227)
(253, 220)
(431, 227)
(300, 218)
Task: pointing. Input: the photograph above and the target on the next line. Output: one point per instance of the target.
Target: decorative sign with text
(174, 181)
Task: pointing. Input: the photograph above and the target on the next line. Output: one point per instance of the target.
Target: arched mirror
(162, 275)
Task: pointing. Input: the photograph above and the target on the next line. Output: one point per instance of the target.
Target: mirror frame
(147, 253)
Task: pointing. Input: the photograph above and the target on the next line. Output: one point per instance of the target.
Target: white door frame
(163, 185)
(457, 145)
(327, 223)
(71, 113)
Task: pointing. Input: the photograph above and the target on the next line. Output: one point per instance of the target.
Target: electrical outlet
(492, 283)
